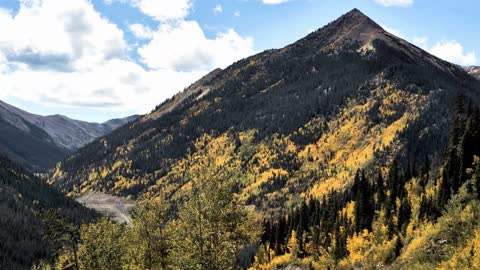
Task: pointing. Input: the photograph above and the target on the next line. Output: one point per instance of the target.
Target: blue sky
(101, 59)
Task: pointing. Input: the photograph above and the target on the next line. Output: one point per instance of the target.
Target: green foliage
(209, 230)
(211, 227)
(101, 247)
(147, 241)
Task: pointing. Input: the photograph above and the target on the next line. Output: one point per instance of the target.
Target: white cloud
(395, 3)
(184, 47)
(65, 54)
(141, 31)
(453, 51)
(218, 9)
(61, 35)
(449, 50)
(118, 85)
(236, 14)
(164, 10)
(274, 2)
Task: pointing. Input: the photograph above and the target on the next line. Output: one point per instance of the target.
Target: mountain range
(38, 142)
(300, 120)
(348, 149)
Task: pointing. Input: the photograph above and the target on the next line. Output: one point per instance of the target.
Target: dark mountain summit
(298, 120)
(353, 27)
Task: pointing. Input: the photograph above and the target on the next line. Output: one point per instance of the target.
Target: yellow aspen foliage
(466, 258)
(263, 257)
(359, 246)
(292, 245)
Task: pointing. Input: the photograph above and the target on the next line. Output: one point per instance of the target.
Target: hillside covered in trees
(349, 149)
(402, 218)
(416, 217)
(295, 122)
(25, 200)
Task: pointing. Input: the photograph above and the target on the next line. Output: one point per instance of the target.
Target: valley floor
(115, 207)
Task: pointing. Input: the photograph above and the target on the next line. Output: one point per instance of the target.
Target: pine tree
(64, 234)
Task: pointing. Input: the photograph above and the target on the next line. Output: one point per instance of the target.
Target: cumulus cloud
(454, 52)
(119, 85)
(141, 31)
(449, 50)
(161, 10)
(164, 10)
(395, 3)
(65, 54)
(184, 47)
(58, 35)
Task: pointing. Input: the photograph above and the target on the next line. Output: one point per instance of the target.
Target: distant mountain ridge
(40, 141)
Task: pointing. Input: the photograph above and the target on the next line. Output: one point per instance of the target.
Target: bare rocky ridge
(474, 71)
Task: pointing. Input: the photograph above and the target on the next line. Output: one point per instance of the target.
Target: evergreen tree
(64, 234)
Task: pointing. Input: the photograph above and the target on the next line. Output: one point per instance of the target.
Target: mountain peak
(353, 27)
(354, 18)
(355, 13)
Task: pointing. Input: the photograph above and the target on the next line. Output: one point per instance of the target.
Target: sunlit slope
(292, 122)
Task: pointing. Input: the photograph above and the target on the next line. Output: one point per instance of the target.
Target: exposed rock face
(474, 71)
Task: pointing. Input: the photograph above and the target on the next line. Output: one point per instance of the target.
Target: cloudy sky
(100, 59)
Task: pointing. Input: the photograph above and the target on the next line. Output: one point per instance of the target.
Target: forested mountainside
(292, 122)
(423, 217)
(23, 201)
(39, 142)
(349, 149)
